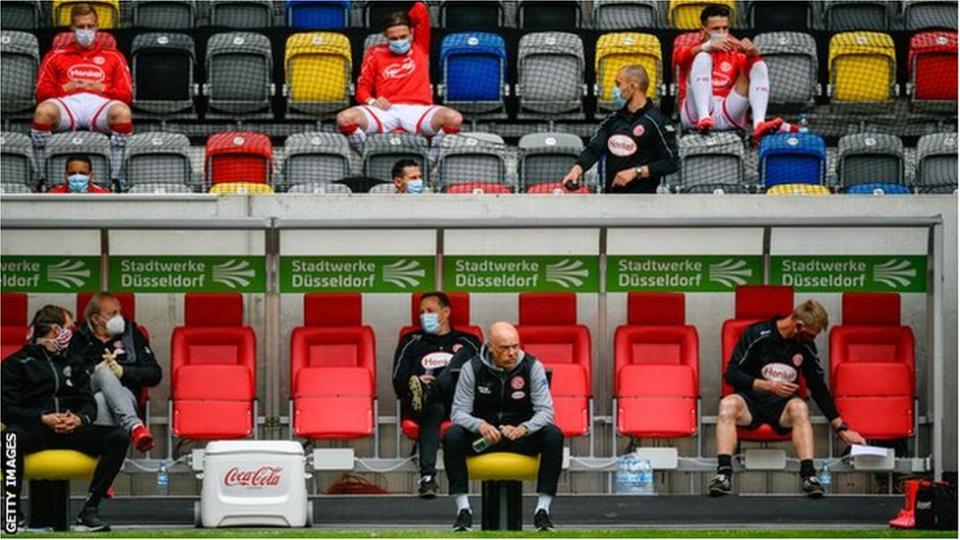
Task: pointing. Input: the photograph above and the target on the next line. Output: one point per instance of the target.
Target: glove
(111, 362)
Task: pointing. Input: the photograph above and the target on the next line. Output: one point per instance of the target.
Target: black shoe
(541, 521)
(464, 521)
(89, 521)
(812, 487)
(428, 487)
(720, 485)
(416, 393)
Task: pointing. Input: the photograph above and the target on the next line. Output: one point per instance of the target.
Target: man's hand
(70, 422)
(782, 388)
(51, 420)
(572, 177)
(490, 433)
(624, 177)
(71, 85)
(381, 103)
(748, 48)
(513, 432)
(726, 45)
(851, 437)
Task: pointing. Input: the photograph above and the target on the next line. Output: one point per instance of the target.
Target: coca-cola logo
(779, 372)
(436, 360)
(401, 70)
(265, 476)
(87, 72)
(621, 145)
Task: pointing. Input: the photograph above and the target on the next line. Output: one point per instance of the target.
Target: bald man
(503, 397)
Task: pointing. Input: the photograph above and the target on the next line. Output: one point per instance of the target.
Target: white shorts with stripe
(411, 118)
(728, 113)
(84, 111)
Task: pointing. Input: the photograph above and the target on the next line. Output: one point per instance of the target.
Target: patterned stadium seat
(375, 11)
(546, 157)
(929, 15)
(103, 39)
(318, 71)
(932, 64)
(685, 39)
(792, 158)
(798, 189)
(471, 14)
(614, 51)
(19, 61)
(382, 150)
(95, 145)
(847, 15)
(318, 14)
(474, 72)
(548, 14)
(478, 188)
(162, 65)
(320, 189)
(791, 58)
(21, 15)
(14, 189)
(685, 14)
(241, 14)
(238, 156)
(108, 12)
(315, 158)
(878, 188)
(163, 14)
(241, 188)
(471, 158)
(712, 161)
(863, 67)
(551, 69)
(625, 14)
(239, 73)
(17, 162)
(556, 188)
(372, 40)
(870, 158)
(158, 158)
(937, 163)
(779, 15)
(160, 189)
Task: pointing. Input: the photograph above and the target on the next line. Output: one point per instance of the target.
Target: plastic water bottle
(163, 479)
(825, 478)
(804, 124)
(645, 480)
(625, 478)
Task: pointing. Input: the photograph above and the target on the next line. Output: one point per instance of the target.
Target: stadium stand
(771, 15)
(617, 50)
(382, 150)
(314, 159)
(549, 14)
(870, 158)
(471, 158)
(108, 12)
(238, 156)
(313, 57)
(163, 14)
(551, 73)
(241, 14)
(20, 60)
(793, 158)
(318, 14)
(13, 322)
(937, 163)
(791, 59)
(158, 158)
(711, 162)
(846, 15)
(626, 14)
(474, 72)
(21, 15)
(16, 163)
(95, 146)
(239, 73)
(471, 15)
(162, 68)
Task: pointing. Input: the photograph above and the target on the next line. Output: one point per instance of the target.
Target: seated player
(407, 177)
(78, 177)
(721, 78)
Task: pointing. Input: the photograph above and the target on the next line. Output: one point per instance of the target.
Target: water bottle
(825, 478)
(662, 189)
(624, 473)
(804, 124)
(480, 445)
(645, 478)
(163, 480)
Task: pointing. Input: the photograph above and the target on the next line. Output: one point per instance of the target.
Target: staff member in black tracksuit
(639, 141)
(420, 361)
(48, 404)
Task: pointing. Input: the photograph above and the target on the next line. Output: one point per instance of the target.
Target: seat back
(64, 39)
(773, 15)
(375, 11)
(471, 15)
(846, 15)
(715, 159)
(791, 59)
(467, 159)
(557, 188)
(163, 14)
(474, 68)
(95, 145)
(459, 314)
(333, 335)
(382, 150)
(548, 15)
(656, 333)
(551, 68)
(238, 156)
(798, 189)
(315, 158)
(929, 15)
(937, 162)
(318, 71)
(13, 309)
(318, 14)
(162, 65)
(21, 15)
(793, 158)
(239, 72)
(16, 160)
(158, 158)
(213, 309)
(108, 12)
(241, 13)
(214, 347)
(863, 67)
(685, 14)
(865, 158)
(12, 338)
(625, 14)
(547, 157)
(19, 60)
(618, 50)
(932, 63)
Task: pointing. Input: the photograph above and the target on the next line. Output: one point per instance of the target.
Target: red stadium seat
(685, 39)
(104, 39)
(556, 188)
(239, 156)
(755, 303)
(548, 330)
(872, 366)
(656, 368)
(333, 369)
(213, 367)
(933, 66)
(477, 188)
(13, 323)
(459, 314)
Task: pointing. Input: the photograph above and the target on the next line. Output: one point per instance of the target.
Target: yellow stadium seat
(241, 188)
(58, 465)
(108, 12)
(620, 49)
(798, 189)
(503, 466)
(863, 67)
(685, 14)
(318, 71)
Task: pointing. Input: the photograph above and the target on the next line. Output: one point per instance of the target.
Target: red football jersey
(400, 78)
(75, 63)
(727, 67)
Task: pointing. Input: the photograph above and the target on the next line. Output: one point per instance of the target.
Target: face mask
(85, 37)
(718, 37)
(415, 186)
(115, 325)
(400, 46)
(78, 183)
(618, 98)
(430, 322)
(62, 339)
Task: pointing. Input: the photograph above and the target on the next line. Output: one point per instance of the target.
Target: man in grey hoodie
(503, 397)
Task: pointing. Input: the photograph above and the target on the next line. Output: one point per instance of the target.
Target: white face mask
(115, 325)
(718, 37)
(85, 37)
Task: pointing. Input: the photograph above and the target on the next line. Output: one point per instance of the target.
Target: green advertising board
(373, 274)
(50, 273)
(683, 273)
(847, 273)
(187, 273)
(521, 273)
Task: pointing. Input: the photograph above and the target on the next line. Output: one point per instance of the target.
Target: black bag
(936, 506)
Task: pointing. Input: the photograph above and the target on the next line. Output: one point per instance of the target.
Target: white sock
(463, 503)
(700, 85)
(357, 138)
(118, 145)
(759, 92)
(40, 139)
(543, 502)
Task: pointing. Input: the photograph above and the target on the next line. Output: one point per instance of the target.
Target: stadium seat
(238, 156)
(372, 40)
(382, 150)
(798, 189)
(625, 14)
(478, 188)
(870, 158)
(162, 65)
(714, 160)
(546, 157)
(551, 73)
(548, 330)
(548, 14)
(878, 188)
(847, 15)
(791, 59)
(685, 14)
(13, 322)
(792, 158)
(937, 163)
(501, 475)
(318, 71)
(239, 73)
(108, 12)
(685, 39)
(160, 189)
(929, 15)
(19, 61)
(318, 14)
(49, 473)
(128, 305)
(863, 67)
(95, 145)
(21, 15)
(315, 158)
(933, 69)
(779, 15)
(755, 303)
(241, 14)
(556, 188)
(333, 369)
(158, 158)
(103, 39)
(319, 188)
(16, 161)
(213, 370)
(163, 14)
(459, 315)
(474, 72)
(872, 366)
(471, 158)
(11, 189)
(656, 368)
(471, 14)
(375, 11)
(617, 50)
(241, 188)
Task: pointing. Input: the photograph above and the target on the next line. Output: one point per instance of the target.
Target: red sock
(123, 128)
(41, 127)
(348, 129)
(451, 130)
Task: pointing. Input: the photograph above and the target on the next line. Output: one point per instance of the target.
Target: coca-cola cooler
(253, 483)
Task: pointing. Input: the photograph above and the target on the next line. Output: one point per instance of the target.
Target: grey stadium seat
(163, 14)
(16, 161)
(320, 188)
(847, 15)
(241, 13)
(94, 145)
(469, 158)
(372, 40)
(315, 158)
(937, 163)
(387, 188)
(160, 189)
(162, 67)
(791, 59)
(382, 150)
(546, 157)
(869, 158)
(710, 162)
(20, 59)
(239, 72)
(6, 188)
(21, 15)
(929, 15)
(717, 189)
(551, 73)
(625, 14)
(549, 14)
(158, 158)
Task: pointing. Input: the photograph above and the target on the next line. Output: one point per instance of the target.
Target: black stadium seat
(770, 15)
(471, 15)
(162, 68)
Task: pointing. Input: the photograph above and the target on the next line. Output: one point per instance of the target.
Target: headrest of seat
(656, 308)
(128, 305)
(880, 309)
(459, 308)
(763, 301)
(213, 309)
(332, 309)
(548, 308)
(13, 309)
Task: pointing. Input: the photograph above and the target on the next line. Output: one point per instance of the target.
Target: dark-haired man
(407, 177)
(78, 177)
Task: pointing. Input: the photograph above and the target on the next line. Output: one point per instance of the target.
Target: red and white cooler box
(253, 483)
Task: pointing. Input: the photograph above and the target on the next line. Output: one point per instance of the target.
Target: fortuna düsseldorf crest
(264, 476)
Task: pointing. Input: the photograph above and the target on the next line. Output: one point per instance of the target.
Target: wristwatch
(842, 427)
(639, 171)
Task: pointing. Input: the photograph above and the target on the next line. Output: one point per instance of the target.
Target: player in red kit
(721, 78)
(394, 85)
(84, 86)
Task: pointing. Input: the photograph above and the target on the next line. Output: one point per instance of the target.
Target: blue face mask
(78, 183)
(415, 186)
(618, 98)
(400, 46)
(430, 322)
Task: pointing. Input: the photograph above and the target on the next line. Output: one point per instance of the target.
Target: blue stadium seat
(474, 66)
(318, 14)
(792, 158)
(878, 189)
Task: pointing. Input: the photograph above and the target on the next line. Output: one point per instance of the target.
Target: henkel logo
(87, 72)
(779, 372)
(436, 360)
(621, 145)
(265, 476)
(401, 70)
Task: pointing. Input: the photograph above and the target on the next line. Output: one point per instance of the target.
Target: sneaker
(704, 125)
(720, 485)
(541, 521)
(464, 521)
(768, 126)
(141, 438)
(428, 487)
(416, 393)
(89, 520)
(812, 487)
